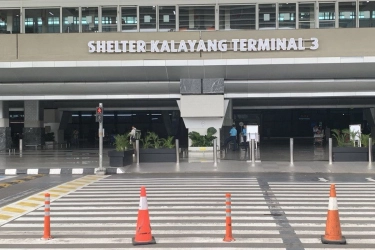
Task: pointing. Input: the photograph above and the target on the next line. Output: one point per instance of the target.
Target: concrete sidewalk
(84, 161)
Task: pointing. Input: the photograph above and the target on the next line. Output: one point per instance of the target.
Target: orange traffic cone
(333, 229)
(143, 231)
(228, 219)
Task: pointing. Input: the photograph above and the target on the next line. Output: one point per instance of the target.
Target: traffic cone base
(137, 243)
(228, 239)
(326, 241)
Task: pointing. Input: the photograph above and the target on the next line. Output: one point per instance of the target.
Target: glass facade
(347, 16)
(42, 20)
(237, 17)
(109, 19)
(129, 19)
(366, 14)
(267, 16)
(90, 19)
(285, 15)
(70, 18)
(326, 15)
(197, 18)
(306, 15)
(10, 21)
(147, 18)
(167, 18)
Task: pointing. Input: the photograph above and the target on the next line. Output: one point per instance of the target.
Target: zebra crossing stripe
(19, 208)
(184, 211)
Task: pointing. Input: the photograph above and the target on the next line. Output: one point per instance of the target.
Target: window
(129, 19)
(70, 19)
(167, 18)
(347, 16)
(197, 18)
(367, 14)
(10, 21)
(42, 21)
(306, 15)
(237, 17)
(287, 16)
(109, 19)
(147, 18)
(267, 16)
(326, 15)
(90, 19)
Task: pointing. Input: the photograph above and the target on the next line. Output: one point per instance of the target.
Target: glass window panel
(42, 21)
(306, 15)
(90, 19)
(237, 17)
(109, 19)
(129, 19)
(197, 18)
(326, 15)
(267, 16)
(10, 21)
(167, 18)
(347, 16)
(147, 18)
(70, 17)
(367, 14)
(287, 16)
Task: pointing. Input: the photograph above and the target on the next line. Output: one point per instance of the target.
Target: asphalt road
(187, 211)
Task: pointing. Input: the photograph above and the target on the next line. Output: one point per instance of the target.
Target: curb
(57, 171)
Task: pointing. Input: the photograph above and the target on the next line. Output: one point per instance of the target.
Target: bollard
(370, 150)
(249, 151)
(330, 151)
(215, 152)
(291, 151)
(177, 152)
(137, 150)
(20, 146)
(47, 219)
(228, 219)
(252, 151)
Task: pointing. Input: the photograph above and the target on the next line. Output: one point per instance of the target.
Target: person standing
(133, 138)
(232, 138)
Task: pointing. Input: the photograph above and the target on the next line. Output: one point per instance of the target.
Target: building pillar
(202, 105)
(369, 115)
(33, 131)
(5, 132)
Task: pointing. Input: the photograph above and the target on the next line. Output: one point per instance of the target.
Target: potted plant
(346, 149)
(155, 149)
(123, 155)
(202, 142)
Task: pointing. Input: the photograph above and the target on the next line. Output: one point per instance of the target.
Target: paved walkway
(84, 161)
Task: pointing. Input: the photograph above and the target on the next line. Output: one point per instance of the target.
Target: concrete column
(5, 132)
(33, 131)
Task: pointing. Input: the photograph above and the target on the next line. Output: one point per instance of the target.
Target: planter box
(120, 159)
(350, 154)
(201, 149)
(157, 155)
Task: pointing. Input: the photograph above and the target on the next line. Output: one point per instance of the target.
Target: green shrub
(198, 140)
(122, 142)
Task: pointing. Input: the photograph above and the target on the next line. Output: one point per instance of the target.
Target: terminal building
(177, 66)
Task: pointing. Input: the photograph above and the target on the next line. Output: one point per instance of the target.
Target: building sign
(165, 46)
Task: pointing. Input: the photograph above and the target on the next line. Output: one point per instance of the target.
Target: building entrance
(277, 126)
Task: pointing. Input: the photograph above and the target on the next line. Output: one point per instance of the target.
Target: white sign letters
(165, 46)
